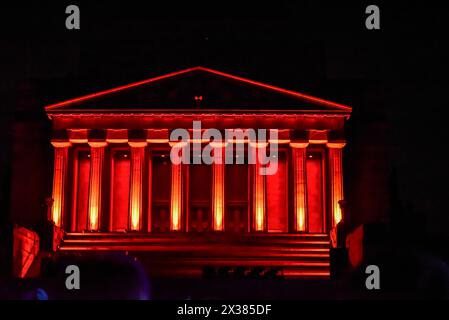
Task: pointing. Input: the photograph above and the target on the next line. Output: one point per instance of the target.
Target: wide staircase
(211, 254)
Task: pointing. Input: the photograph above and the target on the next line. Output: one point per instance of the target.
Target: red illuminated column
(176, 197)
(218, 189)
(259, 183)
(59, 180)
(96, 169)
(149, 190)
(135, 203)
(299, 185)
(336, 179)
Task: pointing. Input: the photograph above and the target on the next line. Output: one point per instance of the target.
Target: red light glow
(336, 179)
(97, 157)
(295, 94)
(59, 177)
(218, 190)
(176, 197)
(299, 185)
(259, 193)
(137, 160)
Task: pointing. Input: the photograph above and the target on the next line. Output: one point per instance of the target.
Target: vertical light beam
(299, 185)
(96, 169)
(336, 179)
(176, 197)
(59, 178)
(137, 160)
(218, 189)
(259, 191)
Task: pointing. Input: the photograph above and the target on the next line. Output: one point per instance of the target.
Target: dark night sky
(394, 77)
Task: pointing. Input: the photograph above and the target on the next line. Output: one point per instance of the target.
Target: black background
(394, 78)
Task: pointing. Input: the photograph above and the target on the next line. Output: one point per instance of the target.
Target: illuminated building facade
(115, 187)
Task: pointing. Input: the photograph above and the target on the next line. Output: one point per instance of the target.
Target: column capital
(258, 144)
(137, 144)
(217, 145)
(97, 144)
(61, 144)
(299, 144)
(336, 144)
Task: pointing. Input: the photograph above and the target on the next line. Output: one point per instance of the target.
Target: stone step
(187, 240)
(190, 254)
(192, 236)
(207, 250)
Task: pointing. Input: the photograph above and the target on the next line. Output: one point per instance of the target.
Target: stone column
(135, 198)
(149, 191)
(299, 186)
(59, 180)
(336, 179)
(95, 184)
(218, 189)
(176, 197)
(258, 187)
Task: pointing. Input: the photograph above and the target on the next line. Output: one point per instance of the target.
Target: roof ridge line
(119, 88)
(292, 93)
(279, 89)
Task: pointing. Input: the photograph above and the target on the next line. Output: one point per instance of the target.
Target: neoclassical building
(115, 187)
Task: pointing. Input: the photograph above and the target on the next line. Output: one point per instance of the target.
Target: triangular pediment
(197, 88)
